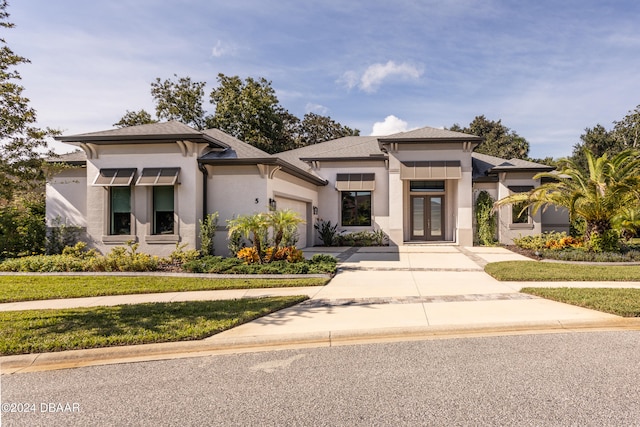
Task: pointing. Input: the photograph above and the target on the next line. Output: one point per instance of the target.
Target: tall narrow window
(356, 208)
(163, 210)
(519, 214)
(120, 210)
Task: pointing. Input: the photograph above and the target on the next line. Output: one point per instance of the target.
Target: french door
(427, 217)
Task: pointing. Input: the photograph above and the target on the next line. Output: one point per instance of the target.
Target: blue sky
(548, 69)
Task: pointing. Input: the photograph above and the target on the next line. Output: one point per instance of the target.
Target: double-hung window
(118, 184)
(162, 181)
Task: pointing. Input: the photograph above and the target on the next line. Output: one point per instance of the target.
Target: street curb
(228, 345)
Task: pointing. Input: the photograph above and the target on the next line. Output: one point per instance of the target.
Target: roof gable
(427, 134)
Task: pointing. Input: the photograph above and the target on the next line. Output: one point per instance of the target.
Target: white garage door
(301, 209)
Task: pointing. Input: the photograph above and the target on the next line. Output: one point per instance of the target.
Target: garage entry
(301, 208)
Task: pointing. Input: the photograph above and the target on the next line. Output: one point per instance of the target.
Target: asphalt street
(538, 379)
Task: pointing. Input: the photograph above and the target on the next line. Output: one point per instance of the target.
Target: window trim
(520, 225)
(356, 195)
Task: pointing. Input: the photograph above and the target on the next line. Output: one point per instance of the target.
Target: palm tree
(250, 226)
(282, 221)
(599, 195)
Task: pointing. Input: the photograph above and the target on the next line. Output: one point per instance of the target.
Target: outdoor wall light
(315, 210)
(272, 204)
(257, 200)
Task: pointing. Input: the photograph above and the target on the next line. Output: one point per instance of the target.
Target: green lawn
(38, 287)
(523, 271)
(622, 302)
(37, 331)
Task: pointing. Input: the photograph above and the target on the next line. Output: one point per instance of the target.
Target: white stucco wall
(506, 230)
(66, 198)
(233, 191)
(187, 203)
(329, 199)
(458, 198)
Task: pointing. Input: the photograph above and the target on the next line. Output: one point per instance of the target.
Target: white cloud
(389, 126)
(316, 108)
(221, 49)
(375, 74)
(349, 79)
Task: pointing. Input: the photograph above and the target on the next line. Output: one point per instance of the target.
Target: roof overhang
(140, 139)
(379, 158)
(285, 166)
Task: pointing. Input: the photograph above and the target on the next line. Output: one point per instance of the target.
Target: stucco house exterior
(153, 184)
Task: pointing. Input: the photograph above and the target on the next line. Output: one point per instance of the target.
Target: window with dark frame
(163, 210)
(356, 208)
(519, 213)
(119, 211)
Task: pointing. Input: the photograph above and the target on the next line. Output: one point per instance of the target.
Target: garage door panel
(301, 209)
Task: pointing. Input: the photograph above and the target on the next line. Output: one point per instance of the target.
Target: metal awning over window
(431, 170)
(115, 177)
(158, 176)
(520, 188)
(355, 181)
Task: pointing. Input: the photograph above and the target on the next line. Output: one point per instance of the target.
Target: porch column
(464, 228)
(396, 200)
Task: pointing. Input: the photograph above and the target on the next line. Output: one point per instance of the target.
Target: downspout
(205, 175)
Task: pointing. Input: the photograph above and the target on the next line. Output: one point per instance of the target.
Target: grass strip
(524, 271)
(30, 288)
(621, 302)
(37, 331)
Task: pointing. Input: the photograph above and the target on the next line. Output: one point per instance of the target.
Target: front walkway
(414, 286)
(379, 294)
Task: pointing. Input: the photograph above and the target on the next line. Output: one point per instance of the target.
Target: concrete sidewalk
(410, 292)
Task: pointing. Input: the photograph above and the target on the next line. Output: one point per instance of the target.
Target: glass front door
(427, 217)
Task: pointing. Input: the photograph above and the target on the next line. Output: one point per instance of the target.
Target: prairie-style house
(153, 183)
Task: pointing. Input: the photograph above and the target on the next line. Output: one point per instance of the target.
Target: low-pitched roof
(76, 158)
(484, 165)
(150, 133)
(430, 134)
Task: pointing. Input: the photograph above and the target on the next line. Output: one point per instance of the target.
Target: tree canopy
(605, 195)
(624, 135)
(248, 109)
(23, 147)
(499, 140)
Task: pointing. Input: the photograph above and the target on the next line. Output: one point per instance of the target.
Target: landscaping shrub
(485, 219)
(326, 231)
(208, 232)
(362, 238)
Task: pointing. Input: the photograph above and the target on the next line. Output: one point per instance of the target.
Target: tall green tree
(247, 109)
(23, 147)
(22, 144)
(499, 140)
(627, 130)
(625, 134)
(601, 195)
(180, 100)
(316, 128)
(250, 111)
(135, 118)
(598, 141)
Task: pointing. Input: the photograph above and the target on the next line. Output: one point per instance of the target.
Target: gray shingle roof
(483, 164)
(166, 131)
(237, 149)
(74, 158)
(430, 133)
(348, 147)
